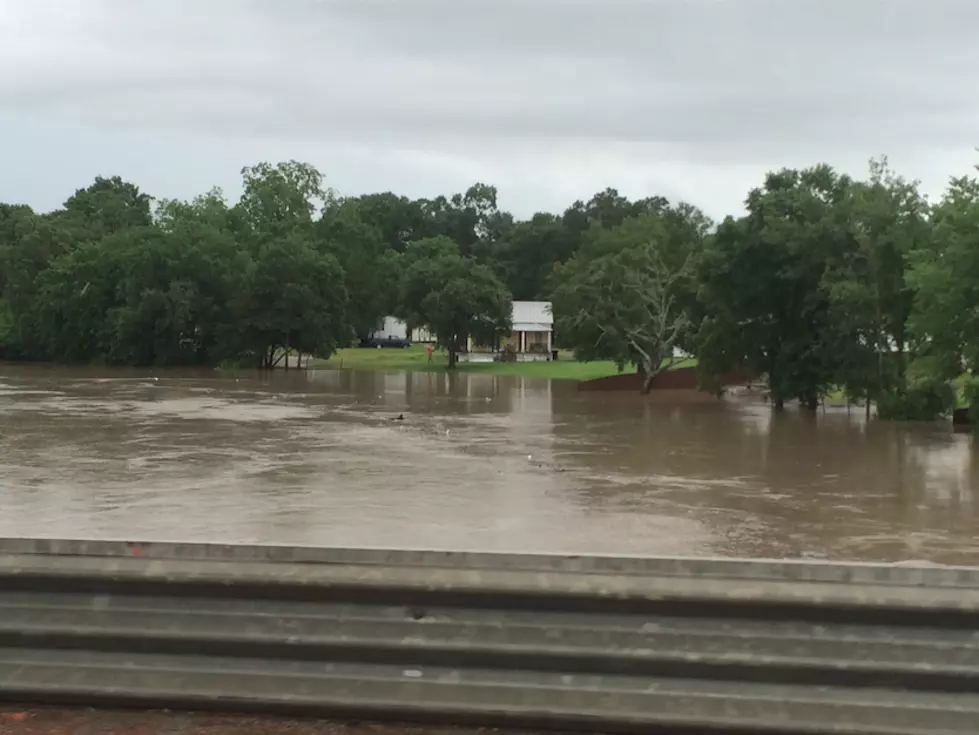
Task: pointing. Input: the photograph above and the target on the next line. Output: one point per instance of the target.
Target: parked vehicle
(386, 341)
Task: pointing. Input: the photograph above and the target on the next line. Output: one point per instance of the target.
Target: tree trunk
(867, 407)
(812, 403)
(648, 370)
(779, 403)
(452, 358)
(647, 381)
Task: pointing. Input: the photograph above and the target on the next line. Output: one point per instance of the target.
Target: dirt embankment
(684, 378)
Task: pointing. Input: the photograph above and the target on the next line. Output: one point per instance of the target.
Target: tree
(369, 265)
(623, 306)
(29, 243)
(945, 276)
(144, 297)
(420, 261)
(453, 296)
(397, 220)
(762, 288)
(210, 209)
(870, 300)
(179, 297)
(531, 250)
(280, 200)
(294, 299)
(472, 220)
(106, 207)
(75, 294)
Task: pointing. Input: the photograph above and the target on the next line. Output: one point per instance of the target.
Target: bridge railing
(613, 644)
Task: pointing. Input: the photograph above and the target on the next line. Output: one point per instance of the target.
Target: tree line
(826, 283)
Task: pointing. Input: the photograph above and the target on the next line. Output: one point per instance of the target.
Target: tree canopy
(823, 283)
(625, 295)
(453, 295)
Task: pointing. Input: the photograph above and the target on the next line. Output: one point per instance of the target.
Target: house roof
(532, 316)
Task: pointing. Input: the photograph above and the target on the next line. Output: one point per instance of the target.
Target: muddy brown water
(479, 462)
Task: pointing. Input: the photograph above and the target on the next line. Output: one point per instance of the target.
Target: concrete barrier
(929, 575)
(586, 643)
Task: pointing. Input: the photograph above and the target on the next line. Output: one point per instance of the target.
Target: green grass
(415, 358)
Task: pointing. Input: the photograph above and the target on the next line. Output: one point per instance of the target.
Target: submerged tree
(945, 276)
(762, 285)
(870, 298)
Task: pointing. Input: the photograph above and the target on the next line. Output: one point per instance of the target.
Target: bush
(6, 331)
(922, 400)
(970, 398)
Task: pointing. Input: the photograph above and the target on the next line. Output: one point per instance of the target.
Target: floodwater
(479, 462)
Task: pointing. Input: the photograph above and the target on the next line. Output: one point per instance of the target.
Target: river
(478, 462)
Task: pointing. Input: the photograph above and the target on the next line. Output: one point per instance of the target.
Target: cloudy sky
(550, 100)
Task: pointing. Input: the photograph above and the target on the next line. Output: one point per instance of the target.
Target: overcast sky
(550, 100)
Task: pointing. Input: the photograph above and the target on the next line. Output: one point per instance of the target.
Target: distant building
(531, 339)
(392, 327)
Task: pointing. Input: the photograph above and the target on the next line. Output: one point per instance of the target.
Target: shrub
(920, 400)
(6, 331)
(970, 398)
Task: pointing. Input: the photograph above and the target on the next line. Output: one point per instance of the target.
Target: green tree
(398, 220)
(29, 243)
(531, 250)
(762, 285)
(471, 219)
(870, 299)
(108, 206)
(369, 264)
(453, 296)
(210, 209)
(420, 260)
(144, 297)
(295, 299)
(945, 276)
(278, 201)
(75, 295)
(179, 298)
(621, 297)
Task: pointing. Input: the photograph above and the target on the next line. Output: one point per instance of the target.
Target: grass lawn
(415, 358)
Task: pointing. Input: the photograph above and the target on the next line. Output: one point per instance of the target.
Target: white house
(531, 338)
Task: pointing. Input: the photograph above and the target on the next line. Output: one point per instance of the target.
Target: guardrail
(577, 643)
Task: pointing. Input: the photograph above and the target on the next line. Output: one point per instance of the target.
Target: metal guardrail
(578, 643)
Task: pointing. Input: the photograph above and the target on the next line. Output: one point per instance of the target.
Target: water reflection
(482, 462)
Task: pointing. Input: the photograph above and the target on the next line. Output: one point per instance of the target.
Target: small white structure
(392, 327)
(531, 338)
